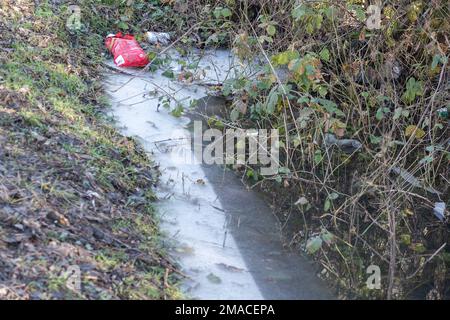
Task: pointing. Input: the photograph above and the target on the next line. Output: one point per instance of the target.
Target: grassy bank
(73, 192)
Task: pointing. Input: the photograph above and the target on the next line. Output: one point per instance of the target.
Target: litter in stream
(162, 38)
(204, 211)
(439, 210)
(126, 50)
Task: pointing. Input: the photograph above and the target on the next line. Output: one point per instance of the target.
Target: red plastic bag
(126, 51)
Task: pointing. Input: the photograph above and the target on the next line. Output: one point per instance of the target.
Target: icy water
(224, 236)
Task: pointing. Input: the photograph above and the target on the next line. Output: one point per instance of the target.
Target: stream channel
(224, 236)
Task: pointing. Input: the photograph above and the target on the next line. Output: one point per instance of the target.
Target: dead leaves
(4, 194)
(57, 217)
(239, 107)
(14, 99)
(414, 130)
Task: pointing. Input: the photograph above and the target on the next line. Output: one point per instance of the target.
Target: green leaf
(299, 12)
(303, 99)
(359, 12)
(327, 205)
(331, 107)
(217, 12)
(375, 139)
(284, 170)
(285, 57)
(413, 89)
(397, 113)
(380, 114)
(178, 111)
(169, 74)
(330, 12)
(322, 90)
(314, 244)
(418, 247)
(226, 12)
(333, 196)
(272, 101)
(318, 157)
(318, 21)
(325, 54)
(405, 239)
(438, 59)
(328, 201)
(427, 159)
(263, 39)
(271, 30)
(122, 25)
(327, 236)
(309, 28)
(234, 115)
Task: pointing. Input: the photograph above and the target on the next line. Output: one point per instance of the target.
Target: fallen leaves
(58, 218)
(414, 130)
(301, 201)
(4, 194)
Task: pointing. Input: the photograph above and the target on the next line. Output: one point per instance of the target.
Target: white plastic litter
(439, 210)
(412, 180)
(161, 38)
(347, 145)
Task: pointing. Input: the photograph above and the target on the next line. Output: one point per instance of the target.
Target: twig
(428, 260)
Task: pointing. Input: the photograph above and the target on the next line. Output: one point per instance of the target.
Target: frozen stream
(224, 236)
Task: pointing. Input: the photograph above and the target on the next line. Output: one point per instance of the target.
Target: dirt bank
(74, 194)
